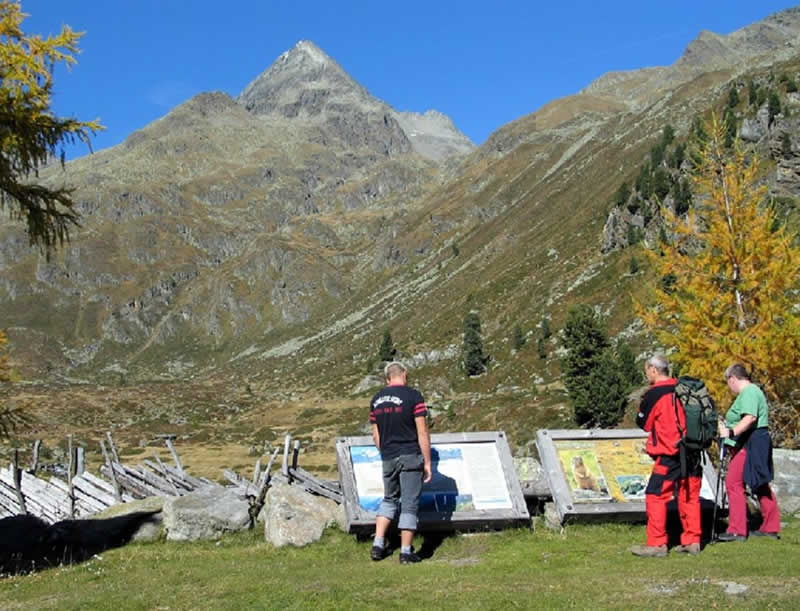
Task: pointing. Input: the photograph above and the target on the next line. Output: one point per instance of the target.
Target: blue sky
(482, 63)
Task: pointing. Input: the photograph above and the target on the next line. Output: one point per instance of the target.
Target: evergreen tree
(786, 145)
(631, 372)
(472, 352)
(605, 395)
(735, 279)
(773, 106)
(545, 328)
(661, 183)
(752, 93)
(683, 197)
(387, 349)
(733, 97)
(585, 340)
(30, 134)
(541, 348)
(518, 339)
(668, 135)
(677, 156)
(622, 195)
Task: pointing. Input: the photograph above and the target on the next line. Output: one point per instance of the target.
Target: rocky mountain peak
(303, 80)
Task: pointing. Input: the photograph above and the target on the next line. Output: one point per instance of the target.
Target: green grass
(585, 566)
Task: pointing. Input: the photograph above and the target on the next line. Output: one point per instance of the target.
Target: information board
(474, 483)
(602, 472)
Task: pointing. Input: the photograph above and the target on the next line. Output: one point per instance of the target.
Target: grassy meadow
(584, 566)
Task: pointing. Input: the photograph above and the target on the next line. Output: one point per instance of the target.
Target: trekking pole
(720, 478)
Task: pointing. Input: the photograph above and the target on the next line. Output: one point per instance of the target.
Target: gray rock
(152, 530)
(532, 478)
(787, 480)
(367, 383)
(551, 518)
(208, 513)
(293, 516)
(753, 130)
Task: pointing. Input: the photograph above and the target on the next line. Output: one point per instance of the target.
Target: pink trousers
(737, 503)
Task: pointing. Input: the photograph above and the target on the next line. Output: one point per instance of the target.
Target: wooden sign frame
(609, 508)
(360, 520)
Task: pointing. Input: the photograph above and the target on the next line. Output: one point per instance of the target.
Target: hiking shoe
(691, 548)
(650, 551)
(378, 553)
(727, 537)
(409, 558)
(761, 533)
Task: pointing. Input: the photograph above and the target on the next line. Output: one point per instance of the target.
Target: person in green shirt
(746, 435)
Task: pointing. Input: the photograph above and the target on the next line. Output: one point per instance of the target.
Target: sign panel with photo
(474, 482)
(601, 472)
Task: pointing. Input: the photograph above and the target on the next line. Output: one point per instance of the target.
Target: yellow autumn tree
(732, 281)
(30, 134)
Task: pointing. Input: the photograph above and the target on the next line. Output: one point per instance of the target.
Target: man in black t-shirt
(400, 430)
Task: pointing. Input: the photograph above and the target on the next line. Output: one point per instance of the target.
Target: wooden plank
(85, 487)
(70, 468)
(80, 465)
(320, 482)
(175, 457)
(112, 447)
(111, 474)
(285, 464)
(193, 482)
(16, 474)
(166, 475)
(80, 496)
(257, 472)
(141, 480)
(35, 455)
(295, 453)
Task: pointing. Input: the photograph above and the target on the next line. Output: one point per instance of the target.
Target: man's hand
(428, 473)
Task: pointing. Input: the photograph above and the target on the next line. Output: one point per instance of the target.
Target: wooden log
(302, 473)
(141, 480)
(311, 483)
(80, 465)
(257, 472)
(17, 477)
(104, 486)
(181, 485)
(190, 480)
(285, 464)
(167, 477)
(178, 465)
(112, 447)
(35, 455)
(132, 486)
(111, 474)
(295, 453)
(88, 489)
(87, 502)
(70, 469)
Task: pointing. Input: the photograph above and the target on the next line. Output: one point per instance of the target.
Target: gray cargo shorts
(402, 485)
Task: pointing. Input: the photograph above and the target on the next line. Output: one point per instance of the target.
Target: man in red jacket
(659, 417)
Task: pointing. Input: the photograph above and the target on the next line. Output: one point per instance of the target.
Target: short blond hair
(393, 369)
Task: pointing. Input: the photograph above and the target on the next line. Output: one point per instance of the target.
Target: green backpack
(701, 413)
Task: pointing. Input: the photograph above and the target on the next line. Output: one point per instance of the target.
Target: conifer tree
(518, 339)
(30, 134)
(736, 278)
(472, 352)
(387, 349)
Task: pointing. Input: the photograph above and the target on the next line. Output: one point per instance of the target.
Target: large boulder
(150, 530)
(208, 513)
(293, 516)
(787, 480)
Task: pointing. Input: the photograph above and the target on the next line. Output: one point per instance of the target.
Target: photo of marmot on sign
(28, 543)
(583, 477)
